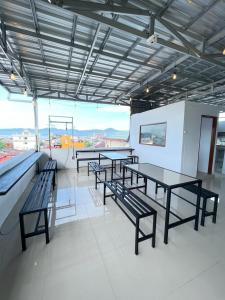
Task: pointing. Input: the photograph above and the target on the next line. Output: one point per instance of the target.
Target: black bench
(97, 170)
(128, 201)
(37, 203)
(86, 159)
(51, 165)
(205, 195)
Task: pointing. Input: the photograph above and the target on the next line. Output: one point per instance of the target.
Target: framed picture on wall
(153, 134)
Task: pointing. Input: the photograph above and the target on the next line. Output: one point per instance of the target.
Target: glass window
(16, 125)
(95, 125)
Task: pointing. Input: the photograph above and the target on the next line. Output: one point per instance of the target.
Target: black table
(97, 150)
(169, 180)
(114, 157)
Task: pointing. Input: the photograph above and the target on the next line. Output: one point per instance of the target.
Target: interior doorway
(207, 144)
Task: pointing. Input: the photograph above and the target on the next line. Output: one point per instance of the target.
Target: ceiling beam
(100, 8)
(74, 27)
(77, 70)
(75, 46)
(185, 42)
(201, 14)
(9, 54)
(216, 37)
(144, 35)
(72, 82)
(88, 58)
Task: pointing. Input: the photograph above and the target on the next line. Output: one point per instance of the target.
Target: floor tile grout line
(191, 279)
(105, 268)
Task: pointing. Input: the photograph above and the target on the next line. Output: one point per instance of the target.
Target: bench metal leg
(78, 166)
(112, 166)
(154, 229)
(167, 217)
(131, 177)
(215, 208)
(46, 225)
(156, 188)
(136, 236)
(105, 175)
(123, 175)
(145, 188)
(54, 180)
(88, 170)
(137, 178)
(22, 232)
(104, 194)
(96, 180)
(204, 207)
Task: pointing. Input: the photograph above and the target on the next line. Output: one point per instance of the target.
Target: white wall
(192, 126)
(169, 156)
(8, 201)
(183, 135)
(204, 145)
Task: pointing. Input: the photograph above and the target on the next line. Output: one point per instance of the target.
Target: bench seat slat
(204, 192)
(96, 167)
(39, 195)
(50, 165)
(133, 203)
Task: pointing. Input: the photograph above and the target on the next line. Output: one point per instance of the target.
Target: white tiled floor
(91, 253)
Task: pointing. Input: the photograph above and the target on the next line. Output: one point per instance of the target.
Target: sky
(14, 114)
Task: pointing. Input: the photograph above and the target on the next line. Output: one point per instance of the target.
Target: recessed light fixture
(147, 89)
(130, 98)
(12, 76)
(224, 51)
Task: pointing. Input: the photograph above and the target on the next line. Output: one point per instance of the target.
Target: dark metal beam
(75, 46)
(88, 6)
(88, 58)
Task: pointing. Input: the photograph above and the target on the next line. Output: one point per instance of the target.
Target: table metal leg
(46, 225)
(215, 209)
(154, 229)
(123, 175)
(78, 169)
(198, 205)
(22, 231)
(167, 217)
(112, 171)
(203, 211)
(136, 236)
(145, 181)
(104, 193)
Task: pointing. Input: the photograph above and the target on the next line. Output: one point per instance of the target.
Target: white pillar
(36, 127)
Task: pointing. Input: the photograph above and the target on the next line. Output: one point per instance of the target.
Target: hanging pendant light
(25, 92)
(12, 76)
(174, 75)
